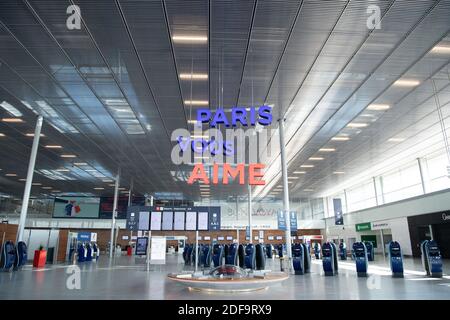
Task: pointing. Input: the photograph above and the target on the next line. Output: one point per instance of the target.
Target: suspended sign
(282, 217)
(338, 217)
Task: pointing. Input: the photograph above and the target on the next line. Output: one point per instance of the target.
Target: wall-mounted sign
(84, 236)
(379, 225)
(366, 226)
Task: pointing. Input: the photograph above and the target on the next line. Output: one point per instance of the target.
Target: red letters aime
(198, 173)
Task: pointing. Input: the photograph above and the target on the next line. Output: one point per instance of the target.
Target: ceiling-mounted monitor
(191, 220)
(178, 220)
(155, 221)
(167, 220)
(144, 221)
(203, 222)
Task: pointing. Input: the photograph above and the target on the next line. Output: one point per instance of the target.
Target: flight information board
(191, 220)
(178, 221)
(203, 223)
(167, 220)
(155, 221)
(144, 220)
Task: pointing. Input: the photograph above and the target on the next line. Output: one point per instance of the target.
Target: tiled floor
(124, 278)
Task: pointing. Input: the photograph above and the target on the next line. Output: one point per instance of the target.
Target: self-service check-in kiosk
(260, 257)
(317, 250)
(88, 249)
(431, 258)
(250, 257)
(241, 255)
(370, 251)
(206, 256)
(269, 249)
(217, 255)
(307, 258)
(298, 259)
(343, 250)
(396, 259)
(360, 252)
(8, 256)
(81, 253)
(328, 259)
(231, 257)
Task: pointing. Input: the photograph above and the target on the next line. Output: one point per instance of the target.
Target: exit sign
(363, 226)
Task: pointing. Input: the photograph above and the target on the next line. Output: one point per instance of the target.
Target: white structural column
(196, 251)
(28, 184)
(250, 209)
(237, 219)
(285, 194)
(113, 218)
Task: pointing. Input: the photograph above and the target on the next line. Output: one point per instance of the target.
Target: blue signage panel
(247, 232)
(282, 220)
(84, 236)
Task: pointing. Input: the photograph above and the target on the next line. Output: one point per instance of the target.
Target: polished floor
(126, 278)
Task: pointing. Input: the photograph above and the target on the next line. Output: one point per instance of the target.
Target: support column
(196, 250)
(250, 213)
(382, 243)
(28, 184)
(285, 194)
(130, 192)
(237, 219)
(424, 178)
(375, 190)
(114, 212)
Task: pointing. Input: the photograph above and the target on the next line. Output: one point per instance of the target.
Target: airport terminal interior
(225, 149)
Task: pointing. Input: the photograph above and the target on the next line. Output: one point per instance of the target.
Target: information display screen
(167, 220)
(203, 222)
(270, 238)
(141, 246)
(220, 238)
(229, 238)
(155, 221)
(279, 237)
(191, 220)
(144, 220)
(207, 238)
(178, 223)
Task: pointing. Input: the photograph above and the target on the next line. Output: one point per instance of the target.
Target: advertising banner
(338, 217)
(76, 207)
(158, 250)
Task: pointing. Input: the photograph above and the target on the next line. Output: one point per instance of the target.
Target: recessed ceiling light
(111, 185)
(32, 135)
(68, 156)
(308, 190)
(338, 172)
(327, 149)
(307, 166)
(340, 138)
(107, 180)
(2, 134)
(11, 175)
(121, 188)
(47, 188)
(316, 158)
(193, 76)
(53, 146)
(406, 83)
(56, 191)
(36, 184)
(189, 38)
(441, 49)
(62, 170)
(196, 102)
(23, 180)
(293, 178)
(357, 125)
(12, 120)
(80, 163)
(99, 188)
(396, 139)
(378, 107)
(299, 172)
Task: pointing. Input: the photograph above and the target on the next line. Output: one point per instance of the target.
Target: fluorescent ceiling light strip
(189, 38)
(194, 76)
(406, 83)
(12, 120)
(12, 110)
(340, 138)
(378, 107)
(196, 102)
(327, 149)
(357, 125)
